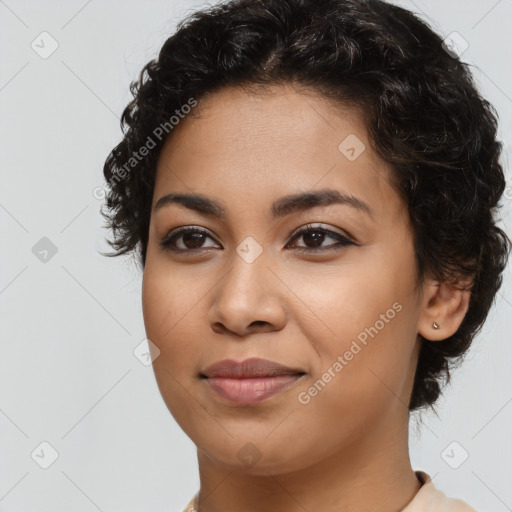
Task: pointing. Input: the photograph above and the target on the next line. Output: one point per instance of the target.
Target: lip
(250, 381)
(248, 368)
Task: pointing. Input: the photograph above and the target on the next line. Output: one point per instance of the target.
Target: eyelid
(321, 227)
(176, 232)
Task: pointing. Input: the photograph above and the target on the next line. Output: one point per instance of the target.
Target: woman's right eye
(185, 240)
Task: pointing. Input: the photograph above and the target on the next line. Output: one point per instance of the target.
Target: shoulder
(190, 506)
(431, 499)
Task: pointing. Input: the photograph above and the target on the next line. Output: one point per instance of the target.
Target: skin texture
(346, 449)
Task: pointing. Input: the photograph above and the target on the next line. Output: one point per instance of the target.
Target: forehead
(282, 138)
(280, 117)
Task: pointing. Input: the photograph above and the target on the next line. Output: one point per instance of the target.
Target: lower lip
(251, 391)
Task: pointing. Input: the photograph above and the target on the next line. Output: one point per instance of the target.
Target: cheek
(344, 301)
(157, 306)
(356, 383)
(167, 305)
(169, 296)
(364, 314)
(168, 314)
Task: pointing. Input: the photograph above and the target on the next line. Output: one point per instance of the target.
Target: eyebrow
(280, 208)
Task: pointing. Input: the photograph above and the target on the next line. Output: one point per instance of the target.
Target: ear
(445, 304)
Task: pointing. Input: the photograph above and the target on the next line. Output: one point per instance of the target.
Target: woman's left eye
(316, 236)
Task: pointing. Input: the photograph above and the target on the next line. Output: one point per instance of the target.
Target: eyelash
(343, 241)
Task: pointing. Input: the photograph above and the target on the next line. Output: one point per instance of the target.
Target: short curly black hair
(422, 110)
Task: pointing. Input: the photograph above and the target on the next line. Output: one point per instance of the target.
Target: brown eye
(314, 237)
(192, 239)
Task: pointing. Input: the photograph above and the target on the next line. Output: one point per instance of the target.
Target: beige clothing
(430, 499)
(427, 499)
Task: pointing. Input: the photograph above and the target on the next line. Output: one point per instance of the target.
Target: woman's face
(338, 302)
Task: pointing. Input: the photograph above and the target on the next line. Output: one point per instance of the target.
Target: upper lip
(253, 367)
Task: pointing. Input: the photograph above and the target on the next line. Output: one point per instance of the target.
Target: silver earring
(435, 325)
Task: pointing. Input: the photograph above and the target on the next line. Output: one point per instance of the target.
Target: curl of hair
(422, 110)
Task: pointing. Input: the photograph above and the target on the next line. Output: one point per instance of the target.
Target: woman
(311, 190)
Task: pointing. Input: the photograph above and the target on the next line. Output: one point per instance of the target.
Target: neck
(372, 472)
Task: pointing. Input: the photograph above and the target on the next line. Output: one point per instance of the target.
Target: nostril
(258, 322)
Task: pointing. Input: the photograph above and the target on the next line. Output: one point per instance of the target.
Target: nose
(248, 299)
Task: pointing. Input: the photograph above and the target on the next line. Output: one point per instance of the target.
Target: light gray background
(68, 375)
